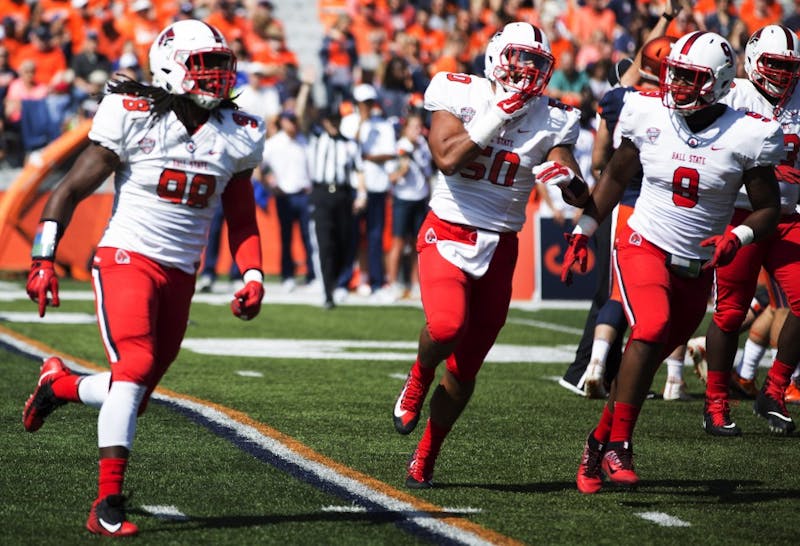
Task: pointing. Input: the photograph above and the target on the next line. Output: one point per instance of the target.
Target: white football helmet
(518, 58)
(697, 72)
(191, 58)
(772, 61)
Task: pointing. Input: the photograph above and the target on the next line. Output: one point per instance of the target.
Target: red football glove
(726, 247)
(785, 173)
(576, 253)
(41, 279)
(247, 301)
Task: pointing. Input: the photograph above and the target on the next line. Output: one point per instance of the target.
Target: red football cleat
(590, 478)
(409, 404)
(107, 518)
(618, 463)
(42, 402)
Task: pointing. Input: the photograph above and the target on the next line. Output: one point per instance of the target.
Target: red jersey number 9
(685, 182)
(172, 186)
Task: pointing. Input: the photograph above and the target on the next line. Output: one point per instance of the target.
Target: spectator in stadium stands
(468, 243)
(401, 14)
(598, 47)
(339, 59)
(568, 81)
(227, 19)
(756, 14)
(395, 89)
(86, 62)
(792, 20)
(257, 98)
(593, 15)
(666, 291)
(139, 27)
(376, 138)
(372, 31)
(724, 21)
(48, 60)
(410, 192)
(9, 143)
(431, 40)
(145, 264)
(285, 169)
(24, 87)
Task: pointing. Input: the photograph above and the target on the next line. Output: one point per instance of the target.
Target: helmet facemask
(686, 87)
(523, 69)
(776, 75)
(210, 75)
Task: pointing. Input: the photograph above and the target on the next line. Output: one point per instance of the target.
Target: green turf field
(225, 476)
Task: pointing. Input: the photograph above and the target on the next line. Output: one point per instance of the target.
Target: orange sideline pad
(90, 218)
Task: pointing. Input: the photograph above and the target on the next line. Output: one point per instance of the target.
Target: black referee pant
(332, 207)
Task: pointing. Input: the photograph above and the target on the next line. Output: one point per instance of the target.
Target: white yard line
(170, 513)
(664, 520)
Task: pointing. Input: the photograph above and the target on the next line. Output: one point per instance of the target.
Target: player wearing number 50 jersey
(492, 138)
(772, 64)
(695, 153)
(175, 149)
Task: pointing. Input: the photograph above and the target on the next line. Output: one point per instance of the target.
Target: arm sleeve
(239, 206)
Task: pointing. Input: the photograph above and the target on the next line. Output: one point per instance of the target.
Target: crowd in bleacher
(56, 55)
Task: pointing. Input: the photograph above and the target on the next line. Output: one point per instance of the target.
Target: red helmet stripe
(537, 34)
(690, 42)
(789, 37)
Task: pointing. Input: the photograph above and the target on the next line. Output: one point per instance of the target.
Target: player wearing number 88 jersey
(487, 136)
(175, 149)
(695, 153)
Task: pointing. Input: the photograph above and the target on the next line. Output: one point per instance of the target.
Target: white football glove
(554, 173)
(506, 105)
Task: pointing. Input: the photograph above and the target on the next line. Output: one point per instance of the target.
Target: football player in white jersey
(175, 149)
(695, 153)
(492, 138)
(772, 64)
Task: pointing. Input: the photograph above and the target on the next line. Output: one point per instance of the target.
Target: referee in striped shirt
(335, 163)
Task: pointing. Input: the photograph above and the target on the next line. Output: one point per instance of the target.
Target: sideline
(298, 460)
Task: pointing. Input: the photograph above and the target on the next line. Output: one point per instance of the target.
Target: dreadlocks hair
(161, 101)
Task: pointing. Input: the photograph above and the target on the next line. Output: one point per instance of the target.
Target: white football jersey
(169, 182)
(690, 179)
(492, 191)
(745, 96)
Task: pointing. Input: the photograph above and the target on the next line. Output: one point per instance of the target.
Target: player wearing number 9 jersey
(772, 64)
(487, 137)
(175, 149)
(695, 153)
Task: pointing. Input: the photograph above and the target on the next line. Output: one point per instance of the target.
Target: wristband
(484, 129)
(46, 239)
(253, 275)
(586, 226)
(744, 234)
(669, 17)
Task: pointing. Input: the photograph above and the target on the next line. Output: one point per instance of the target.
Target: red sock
(603, 430)
(625, 416)
(779, 376)
(422, 374)
(66, 388)
(112, 473)
(432, 440)
(717, 385)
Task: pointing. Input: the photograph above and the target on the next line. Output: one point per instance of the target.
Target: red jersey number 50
(175, 187)
(502, 170)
